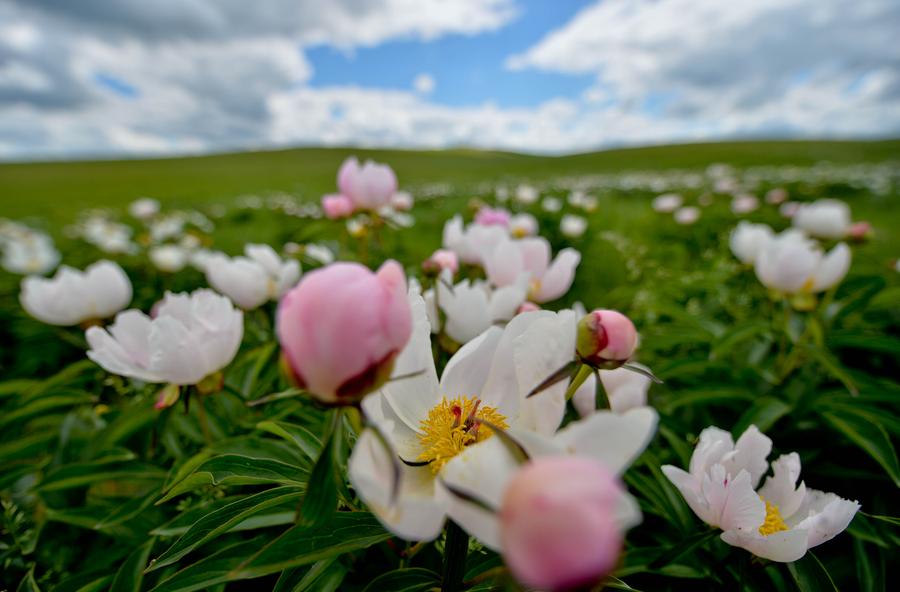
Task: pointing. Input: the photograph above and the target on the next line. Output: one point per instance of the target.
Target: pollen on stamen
(773, 522)
(451, 426)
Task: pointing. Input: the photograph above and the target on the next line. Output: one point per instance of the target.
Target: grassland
(57, 190)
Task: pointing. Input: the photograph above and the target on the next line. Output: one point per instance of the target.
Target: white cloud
(424, 84)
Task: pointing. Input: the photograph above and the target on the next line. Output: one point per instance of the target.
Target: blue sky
(131, 77)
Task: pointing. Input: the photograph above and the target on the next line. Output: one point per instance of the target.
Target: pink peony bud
(528, 306)
(402, 201)
(341, 328)
(488, 216)
(337, 206)
(440, 260)
(370, 186)
(859, 231)
(558, 524)
(606, 339)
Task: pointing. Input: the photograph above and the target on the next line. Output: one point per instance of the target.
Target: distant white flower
(748, 239)
(502, 194)
(108, 236)
(791, 263)
(250, 281)
(744, 203)
(526, 194)
(687, 215)
(169, 258)
(667, 203)
(170, 227)
(144, 208)
(522, 225)
(776, 196)
(191, 336)
(319, 253)
(474, 243)
(71, 296)
(824, 218)
(473, 307)
(551, 204)
(779, 521)
(547, 281)
(402, 201)
(573, 226)
(32, 253)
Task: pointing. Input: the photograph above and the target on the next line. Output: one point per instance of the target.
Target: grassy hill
(59, 189)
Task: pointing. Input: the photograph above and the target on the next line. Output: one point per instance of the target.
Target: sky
(131, 77)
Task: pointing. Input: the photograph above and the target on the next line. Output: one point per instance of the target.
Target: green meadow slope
(59, 189)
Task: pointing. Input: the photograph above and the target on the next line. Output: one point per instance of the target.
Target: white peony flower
(522, 225)
(667, 203)
(526, 194)
(430, 422)
(744, 203)
(687, 215)
(261, 275)
(779, 521)
(169, 258)
(471, 308)
(551, 204)
(72, 296)
(791, 263)
(32, 253)
(573, 226)
(748, 239)
(548, 281)
(144, 208)
(824, 218)
(191, 336)
(474, 243)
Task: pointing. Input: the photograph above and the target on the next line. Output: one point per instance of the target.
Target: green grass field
(59, 189)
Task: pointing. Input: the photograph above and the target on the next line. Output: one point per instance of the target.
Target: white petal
(828, 516)
(504, 264)
(781, 489)
(784, 546)
(614, 440)
(832, 268)
(732, 500)
(416, 514)
(467, 371)
(558, 279)
(750, 452)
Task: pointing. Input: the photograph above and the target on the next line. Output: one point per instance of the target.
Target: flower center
(773, 522)
(452, 425)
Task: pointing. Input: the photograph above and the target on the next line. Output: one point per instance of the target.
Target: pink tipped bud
(488, 216)
(342, 327)
(859, 231)
(606, 339)
(558, 524)
(440, 260)
(337, 206)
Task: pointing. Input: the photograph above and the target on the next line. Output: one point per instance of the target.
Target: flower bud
(440, 260)
(558, 524)
(342, 327)
(337, 206)
(859, 231)
(605, 339)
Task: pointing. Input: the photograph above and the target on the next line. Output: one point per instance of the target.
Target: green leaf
(871, 437)
(810, 575)
(212, 570)
(763, 414)
(411, 579)
(869, 567)
(28, 584)
(234, 469)
(346, 532)
(833, 367)
(305, 440)
(42, 405)
(322, 576)
(223, 520)
(82, 474)
(321, 499)
(130, 576)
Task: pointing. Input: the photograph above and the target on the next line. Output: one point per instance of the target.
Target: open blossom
(72, 296)
(625, 389)
(687, 215)
(522, 225)
(744, 203)
(370, 186)
(776, 196)
(667, 203)
(337, 206)
(261, 275)
(190, 337)
(473, 307)
(747, 240)
(824, 218)
(558, 523)
(30, 253)
(779, 521)
(791, 263)
(488, 216)
(169, 258)
(144, 208)
(433, 422)
(573, 226)
(473, 243)
(551, 204)
(527, 194)
(342, 327)
(547, 281)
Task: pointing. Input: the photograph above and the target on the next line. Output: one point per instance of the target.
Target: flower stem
(455, 551)
(204, 423)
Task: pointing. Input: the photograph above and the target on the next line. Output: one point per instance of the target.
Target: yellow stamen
(773, 522)
(451, 426)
